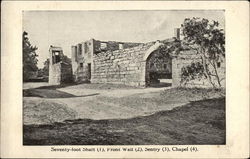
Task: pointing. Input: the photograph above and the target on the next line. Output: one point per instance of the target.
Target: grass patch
(199, 122)
(192, 94)
(46, 112)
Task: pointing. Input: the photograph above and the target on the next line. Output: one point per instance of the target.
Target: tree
(46, 68)
(209, 41)
(29, 57)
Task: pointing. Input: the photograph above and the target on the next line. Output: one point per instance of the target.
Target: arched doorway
(158, 69)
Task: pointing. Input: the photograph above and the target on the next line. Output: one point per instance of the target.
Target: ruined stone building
(118, 62)
(59, 71)
(135, 64)
(84, 56)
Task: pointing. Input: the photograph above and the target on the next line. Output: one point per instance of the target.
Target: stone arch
(152, 49)
(156, 65)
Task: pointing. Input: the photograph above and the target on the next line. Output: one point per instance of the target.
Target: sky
(67, 28)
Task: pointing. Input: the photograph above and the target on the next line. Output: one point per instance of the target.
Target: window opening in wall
(103, 46)
(56, 57)
(218, 64)
(75, 53)
(89, 71)
(81, 65)
(165, 66)
(80, 49)
(86, 48)
(120, 46)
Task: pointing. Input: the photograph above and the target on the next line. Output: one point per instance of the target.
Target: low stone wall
(126, 66)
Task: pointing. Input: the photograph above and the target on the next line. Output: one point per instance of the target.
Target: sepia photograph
(124, 77)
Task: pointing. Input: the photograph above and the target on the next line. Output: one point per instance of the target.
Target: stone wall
(55, 56)
(66, 73)
(134, 66)
(59, 72)
(186, 58)
(125, 66)
(82, 56)
(101, 46)
(74, 62)
(55, 74)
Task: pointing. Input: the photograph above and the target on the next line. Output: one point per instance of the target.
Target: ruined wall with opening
(158, 66)
(82, 56)
(106, 62)
(59, 72)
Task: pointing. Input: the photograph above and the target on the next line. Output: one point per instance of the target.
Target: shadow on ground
(50, 93)
(199, 122)
(159, 85)
(53, 87)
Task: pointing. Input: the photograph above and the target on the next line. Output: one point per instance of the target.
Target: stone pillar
(55, 57)
(74, 61)
(177, 32)
(176, 72)
(92, 52)
(143, 74)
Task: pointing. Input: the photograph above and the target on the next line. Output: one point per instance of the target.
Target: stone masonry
(134, 64)
(116, 62)
(124, 66)
(187, 57)
(83, 55)
(128, 66)
(59, 72)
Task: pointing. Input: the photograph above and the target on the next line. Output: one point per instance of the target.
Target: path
(96, 104)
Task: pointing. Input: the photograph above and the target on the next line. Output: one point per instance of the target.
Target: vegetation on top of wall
(208, 40)
(171, 48)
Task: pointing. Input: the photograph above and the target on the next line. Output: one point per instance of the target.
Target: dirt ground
(114, 114)
(28, 85)
(91, 101)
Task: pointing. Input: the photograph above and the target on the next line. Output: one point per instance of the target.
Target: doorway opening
(159, 69)
(89, 71)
